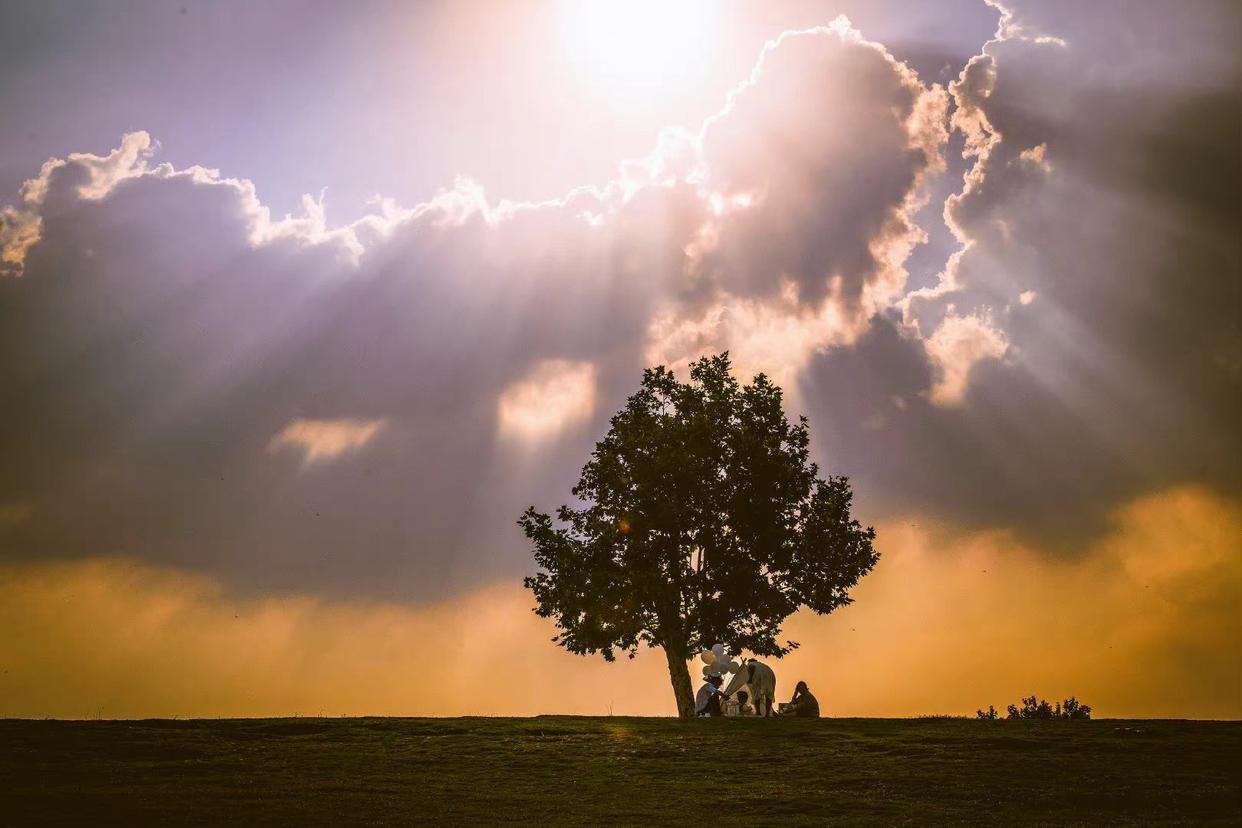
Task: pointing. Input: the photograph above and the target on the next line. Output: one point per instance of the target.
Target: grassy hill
(561, 770)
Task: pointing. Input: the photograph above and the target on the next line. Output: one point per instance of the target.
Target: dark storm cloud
(154, 351)
(1102, 222)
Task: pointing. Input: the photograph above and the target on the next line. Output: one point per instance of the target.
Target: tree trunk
(679, 675)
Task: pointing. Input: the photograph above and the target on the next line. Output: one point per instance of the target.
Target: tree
(701, 519)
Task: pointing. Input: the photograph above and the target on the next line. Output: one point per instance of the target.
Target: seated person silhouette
(707, 700)
(744, 707)
(803, 704)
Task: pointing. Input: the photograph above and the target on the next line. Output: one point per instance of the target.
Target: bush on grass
(1036, 708)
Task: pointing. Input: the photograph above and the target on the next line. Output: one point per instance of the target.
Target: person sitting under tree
(707, 700)
(803, 704)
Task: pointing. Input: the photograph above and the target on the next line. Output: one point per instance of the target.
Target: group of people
(756, 699)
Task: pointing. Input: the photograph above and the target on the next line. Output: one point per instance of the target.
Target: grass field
(560, 770)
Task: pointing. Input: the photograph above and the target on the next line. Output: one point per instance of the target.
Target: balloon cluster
(716, 662)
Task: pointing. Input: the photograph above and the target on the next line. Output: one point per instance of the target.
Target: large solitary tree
(701, 519)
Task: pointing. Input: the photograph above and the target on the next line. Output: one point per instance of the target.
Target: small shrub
(1031, 708)
(1073, 709)
(1036, 708)
(990, 715)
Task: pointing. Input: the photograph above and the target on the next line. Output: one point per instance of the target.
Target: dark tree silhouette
(701, 520)
(1035, 708)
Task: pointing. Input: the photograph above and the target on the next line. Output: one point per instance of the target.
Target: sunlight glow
(637, 45)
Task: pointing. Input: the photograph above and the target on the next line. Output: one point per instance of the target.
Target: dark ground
(594, 771)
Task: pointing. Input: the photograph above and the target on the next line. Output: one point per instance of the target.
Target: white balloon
(708, 657)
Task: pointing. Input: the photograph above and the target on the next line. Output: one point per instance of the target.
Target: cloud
(774, 336)
(555, 394)
(90, 176)
(19, 229)
(1144, 623)
(816, 168)
(1098, 179)
(167, 325)
(173, 332)
(955, 347)
(1036, 156)
(322, 440)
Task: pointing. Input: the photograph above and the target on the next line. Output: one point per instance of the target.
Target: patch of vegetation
(1035, 708)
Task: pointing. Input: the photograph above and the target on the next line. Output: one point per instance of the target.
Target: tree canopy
(701, 519)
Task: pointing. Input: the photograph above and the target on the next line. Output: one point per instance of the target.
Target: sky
(301, 306)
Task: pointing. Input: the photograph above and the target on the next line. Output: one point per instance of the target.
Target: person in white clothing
(760, 680)
(707, 700)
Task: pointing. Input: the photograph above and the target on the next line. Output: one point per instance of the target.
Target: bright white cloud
(775, 336)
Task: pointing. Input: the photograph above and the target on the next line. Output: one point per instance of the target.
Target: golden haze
(1146, 623)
